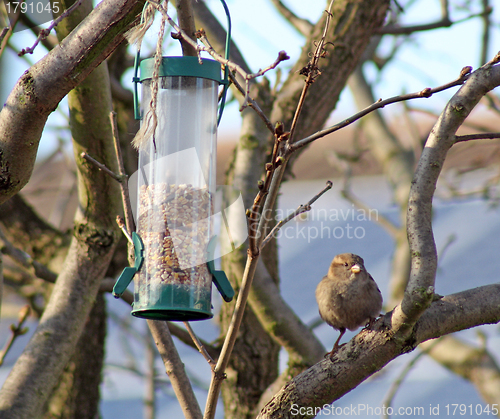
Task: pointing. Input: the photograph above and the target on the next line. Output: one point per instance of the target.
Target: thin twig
(219, 58)
(442, 23)
(280, 137)
(480, 136)
(311, 70)
(45, 32)
(101, 166)
(301, 209)
(127, 207)
(199, 345)
(425, 93)
(252, 103)
(274, 178)
(123, 228)
(219, 374)
(17, 330)
(6, 34)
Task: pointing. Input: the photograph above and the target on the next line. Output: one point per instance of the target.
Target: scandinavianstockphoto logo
(322, 223)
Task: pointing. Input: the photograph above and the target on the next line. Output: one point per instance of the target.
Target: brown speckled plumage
(347, 296)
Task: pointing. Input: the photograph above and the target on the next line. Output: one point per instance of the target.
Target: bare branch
(175, 369)
(445, 22)
(231, 335)
(370, 350)
(3, 34)
(253, 252)
(396, 385)
(219, 58)
(25, 260)
(303, 26)
(199, 345)
(281, 322)
(123, 228)
(101, 166)
(127, 207)
(425, 93)
(16, 331)
(49, 80)
(252, 103)
(44, 33)
(481, 136)
(472, 362)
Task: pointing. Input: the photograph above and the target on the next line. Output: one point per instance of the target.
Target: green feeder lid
(182, 66)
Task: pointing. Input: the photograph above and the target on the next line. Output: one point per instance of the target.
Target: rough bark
(40, 89)
(77, 393)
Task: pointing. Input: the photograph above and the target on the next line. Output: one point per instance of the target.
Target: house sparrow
(348, 297)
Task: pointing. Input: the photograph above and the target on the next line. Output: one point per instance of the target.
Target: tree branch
(185, 15)
(41, 88)
(480, 136)
(303, 26)
(472, 362)
(16, 331)
(445, 22)
(370, 350)
(95, 236)
(300, 210)
(175, 369)
(425, 93)
(44, 33)
(24, 259)
(420, 289)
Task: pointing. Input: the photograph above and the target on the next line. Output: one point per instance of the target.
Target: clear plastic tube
(176, 186)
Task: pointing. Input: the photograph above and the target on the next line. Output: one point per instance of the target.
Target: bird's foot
(370, 323)
(333, 352)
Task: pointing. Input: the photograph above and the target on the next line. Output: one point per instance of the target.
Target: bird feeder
(175, 240)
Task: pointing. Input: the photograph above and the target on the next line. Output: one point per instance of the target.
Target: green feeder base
(173, 302)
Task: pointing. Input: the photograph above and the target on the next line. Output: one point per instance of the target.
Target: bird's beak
(356, 269)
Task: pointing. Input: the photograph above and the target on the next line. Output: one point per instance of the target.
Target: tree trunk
(77, 394)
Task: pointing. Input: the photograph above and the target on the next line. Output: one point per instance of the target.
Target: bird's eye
(346, 264)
